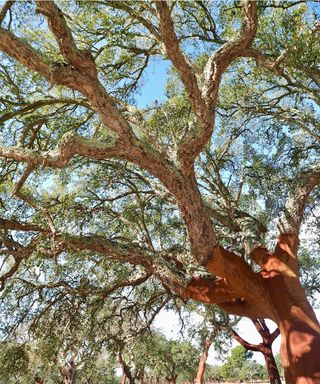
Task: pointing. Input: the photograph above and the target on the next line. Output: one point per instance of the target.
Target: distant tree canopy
(110, 208)
(239, 366)
(146, 358)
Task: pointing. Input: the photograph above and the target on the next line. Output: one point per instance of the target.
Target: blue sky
(153, 82)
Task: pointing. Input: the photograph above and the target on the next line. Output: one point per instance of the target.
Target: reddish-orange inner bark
(276, 293)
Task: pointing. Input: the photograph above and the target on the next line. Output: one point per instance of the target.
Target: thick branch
(99, 244)
(292, 217)
(198, 136)
(79, 59)
(242, 307)
(204, 103)
(248, 285)
(19, 226)
(244, 343)
(128, 146)
(23, 52)
(207, 290)
(70, 146)
(176, 56)
(225, 55)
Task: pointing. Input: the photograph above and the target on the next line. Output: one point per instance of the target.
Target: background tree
(174, 359)
(239, 366)
(265, 348)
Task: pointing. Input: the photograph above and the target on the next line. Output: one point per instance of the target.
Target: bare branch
(154, 263)
(278, 64)
(19, 253)
(31, 107)
(105, 292)
(7, 5)
(146, 23)
(244, 343)
(270, 63)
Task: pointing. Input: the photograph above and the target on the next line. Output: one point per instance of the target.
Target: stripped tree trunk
(123, 379)
(69, 373)
(202, 361)
(265, 348)
(275, 293)
(172, 380)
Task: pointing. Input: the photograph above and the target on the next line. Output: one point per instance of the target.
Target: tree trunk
(141, 376)
(290, 309)
(126, 371)
(202, 361)
(70, 378)
(272, 368)
(300, 332)
(275, 293)
(123, 379)
(69, 373)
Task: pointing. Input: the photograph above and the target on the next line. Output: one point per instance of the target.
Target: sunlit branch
(81, 60)
(23, 52)
(225, 55)
(70, 145)
(293, 213)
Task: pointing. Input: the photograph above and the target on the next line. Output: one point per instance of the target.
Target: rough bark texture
(272, 368)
